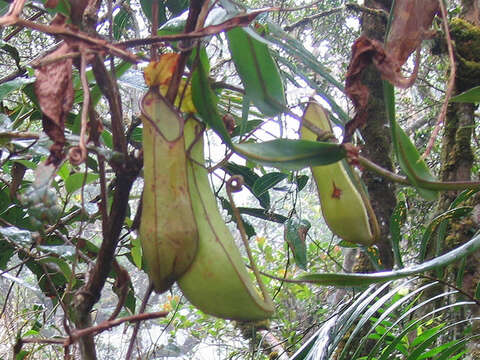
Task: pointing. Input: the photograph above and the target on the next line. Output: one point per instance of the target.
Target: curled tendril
(77, 155)
(235, 183)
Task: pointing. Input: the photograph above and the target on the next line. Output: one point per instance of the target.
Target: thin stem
(451, 82)
(143, 306)
(366, 163)
(235, 184)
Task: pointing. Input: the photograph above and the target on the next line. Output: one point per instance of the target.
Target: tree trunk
(457, 155)
(376, 134)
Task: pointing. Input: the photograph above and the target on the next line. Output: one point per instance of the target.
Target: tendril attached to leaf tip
(77, 155)
(235, 183)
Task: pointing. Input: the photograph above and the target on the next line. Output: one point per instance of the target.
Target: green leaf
(130, 301)
(245, 113)
(267, 181)
(22, 355)
(245, 128)
(292, 154)
(65, 251)
(64, 170)
(6, 253)
(4, 6)
(470, 96)
(76, 181)
(436, 222)
(121, 22)
(176, 6)
(301, 181)
(10, 86)
(136, 252)
(95, 95)
(263, 214)
(295, 234)
(16, 235)
(348, 244)
(353, 280)
(295, 47)
(63, 7)
(62, 265)
(258, 71)
(311, 62)
(407, 154)
(249, 178)
(107, 139)
(172, 26)
(396, 222)
(205, 101)
(12, 51)
(147, 10)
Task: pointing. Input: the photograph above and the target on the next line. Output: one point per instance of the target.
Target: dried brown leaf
(413, 18)
(411, 24)
(54, 91)
(364, 51)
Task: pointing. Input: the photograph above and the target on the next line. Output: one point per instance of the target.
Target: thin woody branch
(359, 8)
(94, 330)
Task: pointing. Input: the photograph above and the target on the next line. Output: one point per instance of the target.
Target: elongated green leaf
(258, 72)
(65, 251)
(366, 316)
(435, 223)
(470, 96)
(396, 221)
(295, 47)
(247, 127)
(407, 154)
(61, 263)
(11, 50)
(147, 10)
(205, 101)
(464, 195)
(415, 168)
(249, 178)
(349, 280)
(404, 302)
(457, 351)
(333, 330)
(136, 252)
(6, 252)
(4, 5)
(263, 214)
(267, 181)
(16, 235)
(245, 112)
(75, 181)
(10, 86)
(176, 6)
(342, 115)
(301, 181)
(292, 154)
(121, 22)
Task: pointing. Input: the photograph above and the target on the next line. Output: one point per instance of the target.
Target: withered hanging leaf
(410, 26)
(54, 91)
(363, 52)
